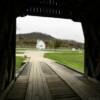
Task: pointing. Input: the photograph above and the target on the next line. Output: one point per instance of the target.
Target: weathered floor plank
(37, 88)
(18, 91)
(50, 81)
(58, 88)
(86, 89)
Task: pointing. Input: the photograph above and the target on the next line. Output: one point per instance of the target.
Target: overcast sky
(59, 28)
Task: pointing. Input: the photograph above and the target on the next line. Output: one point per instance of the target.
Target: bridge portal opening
(63, 39)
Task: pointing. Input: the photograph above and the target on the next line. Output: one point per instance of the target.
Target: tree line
(30, 40)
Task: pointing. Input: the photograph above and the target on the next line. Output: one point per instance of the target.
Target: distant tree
(57, 43)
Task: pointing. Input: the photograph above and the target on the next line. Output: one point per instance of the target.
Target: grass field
(19, 61)
(74, 60)
(24, 49)
(18, 52)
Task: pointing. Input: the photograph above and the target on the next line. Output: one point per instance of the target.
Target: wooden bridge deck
(18, 90)
(86, 89)
(50, 81)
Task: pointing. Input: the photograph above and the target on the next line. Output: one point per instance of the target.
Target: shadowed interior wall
(91, 30)
(7, 45)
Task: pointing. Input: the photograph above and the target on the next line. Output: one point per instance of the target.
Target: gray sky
(59, 28)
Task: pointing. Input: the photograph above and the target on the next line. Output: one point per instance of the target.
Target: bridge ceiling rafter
(73, 9)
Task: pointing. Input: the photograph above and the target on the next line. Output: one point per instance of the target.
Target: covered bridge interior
(84, 11)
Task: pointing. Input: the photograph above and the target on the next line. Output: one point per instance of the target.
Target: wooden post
(7, 45)
(92, 48)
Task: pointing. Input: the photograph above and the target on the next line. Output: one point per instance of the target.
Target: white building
(73, 49)
(40, 45)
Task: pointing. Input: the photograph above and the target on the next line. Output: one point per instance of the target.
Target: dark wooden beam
(92, 48)
(7, 46)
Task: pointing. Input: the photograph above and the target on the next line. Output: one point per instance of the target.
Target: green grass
(74, 60)
(19, 61)
(24, 49)
(18, 52)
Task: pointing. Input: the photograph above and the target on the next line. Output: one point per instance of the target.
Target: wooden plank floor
(46, 80)
(18, 91)
(86, 89)
(59, 90)
(45, 84)
(37, 87)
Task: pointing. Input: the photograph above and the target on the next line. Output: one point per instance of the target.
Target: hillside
(34, 36)
(30, 39)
